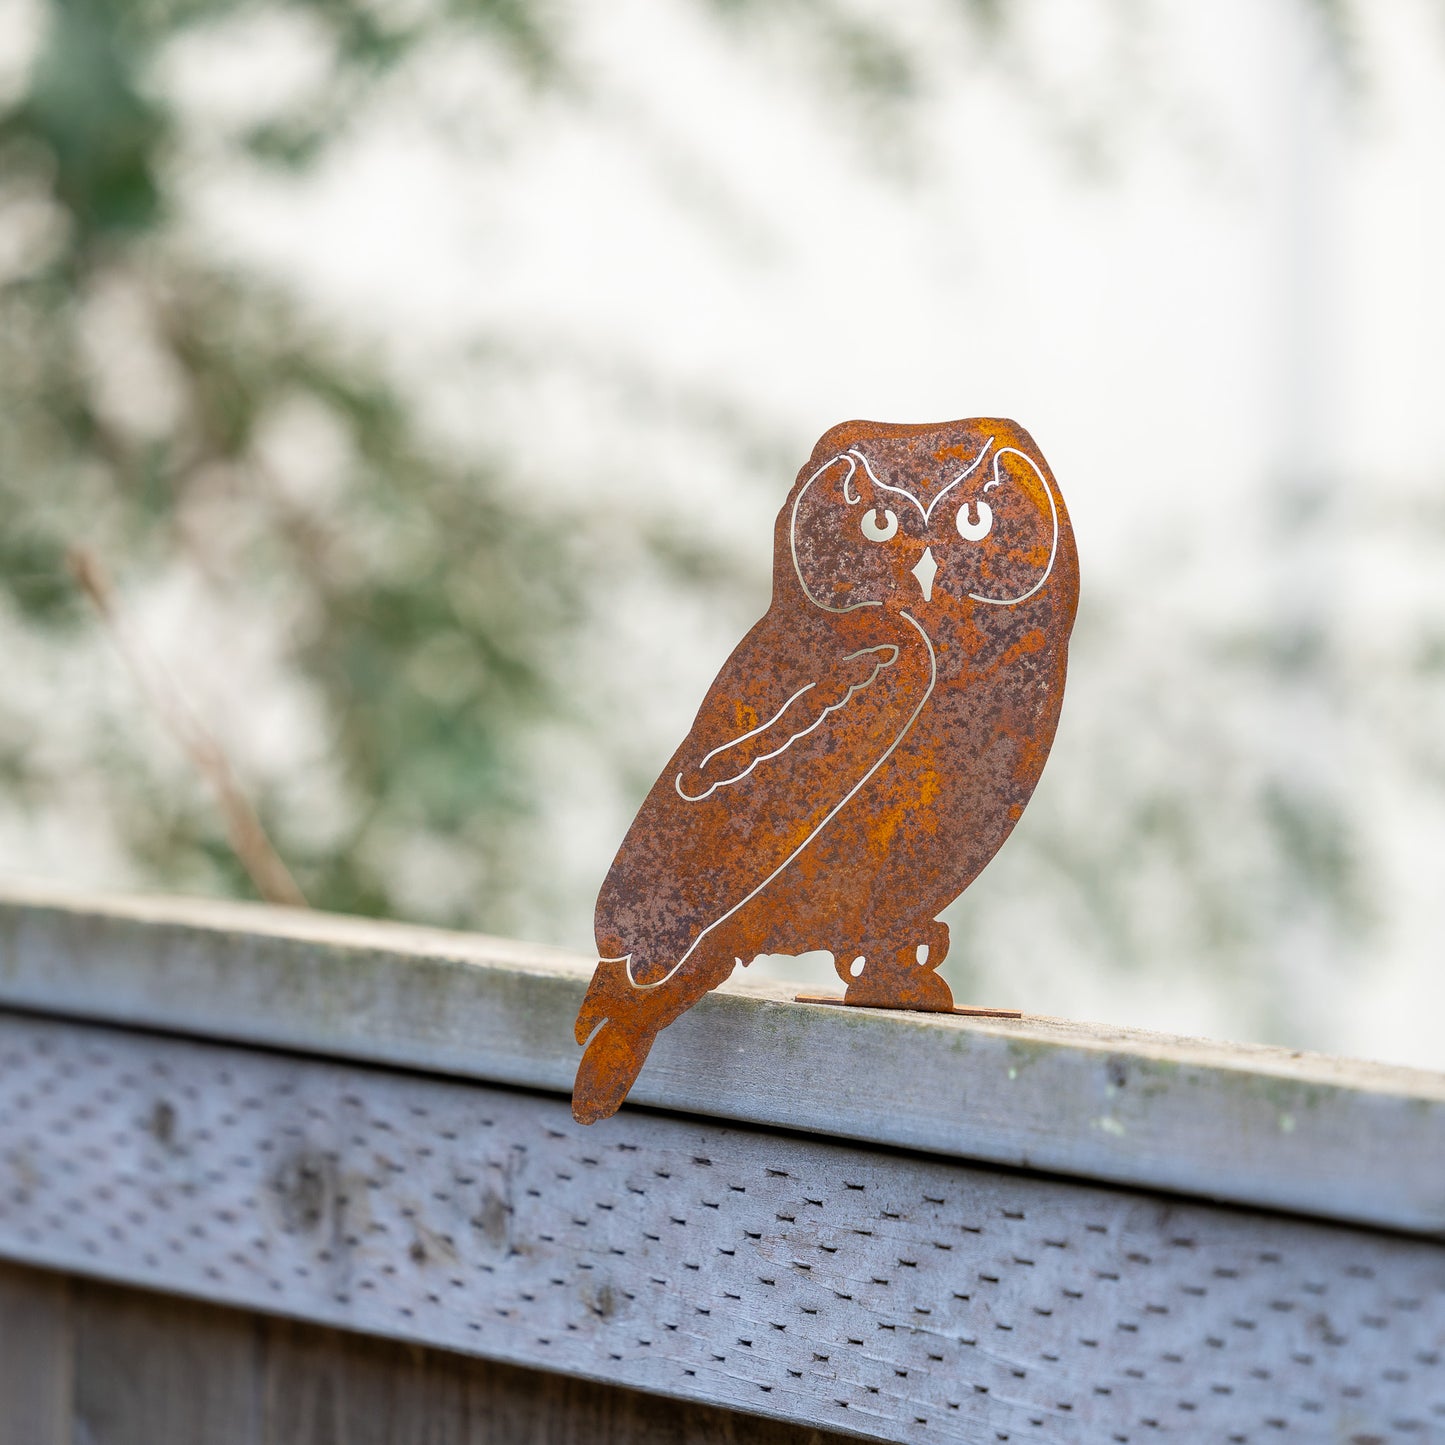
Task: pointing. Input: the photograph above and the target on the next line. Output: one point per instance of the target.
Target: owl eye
(975, 531)
(877, 531)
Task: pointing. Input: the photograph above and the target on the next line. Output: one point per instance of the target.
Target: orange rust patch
(1034, 641)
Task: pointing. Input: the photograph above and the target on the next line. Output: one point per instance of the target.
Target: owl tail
(616, 1051)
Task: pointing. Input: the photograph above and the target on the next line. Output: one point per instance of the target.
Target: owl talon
(904, 978)
(922, 989)
(934, 948)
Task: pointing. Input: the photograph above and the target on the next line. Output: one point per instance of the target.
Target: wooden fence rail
(286, 1177)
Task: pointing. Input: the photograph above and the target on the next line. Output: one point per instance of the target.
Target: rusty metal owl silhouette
(866, 749)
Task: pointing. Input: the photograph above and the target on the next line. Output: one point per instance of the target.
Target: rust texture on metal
(866, 749)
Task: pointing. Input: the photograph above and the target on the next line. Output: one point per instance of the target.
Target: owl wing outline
(798, 719)
(803, 714)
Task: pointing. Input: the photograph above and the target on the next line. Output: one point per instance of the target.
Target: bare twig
(248, 839)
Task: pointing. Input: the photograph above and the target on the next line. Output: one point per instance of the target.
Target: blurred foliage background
(437, 609)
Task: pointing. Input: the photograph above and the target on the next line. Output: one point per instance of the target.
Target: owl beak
(926, 571)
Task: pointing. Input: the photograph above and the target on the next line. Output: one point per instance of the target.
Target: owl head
(924, 518)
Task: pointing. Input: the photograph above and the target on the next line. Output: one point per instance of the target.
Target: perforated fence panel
(868, 1291)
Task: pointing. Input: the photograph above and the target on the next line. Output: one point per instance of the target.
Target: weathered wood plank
(1256, 1126)
(326, 1387)
(893, 1296)
(156, 1371)
(35, 1358)
(157, 1364)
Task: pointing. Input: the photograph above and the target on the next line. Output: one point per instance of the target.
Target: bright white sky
(1250, 287)
(1147, 307)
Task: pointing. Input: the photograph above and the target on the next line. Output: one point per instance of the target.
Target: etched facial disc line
(903, 491)
(793, 531)
(1053, 545)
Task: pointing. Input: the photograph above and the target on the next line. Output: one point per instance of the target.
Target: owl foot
(903, 978)
(898, 977)
(913, 987)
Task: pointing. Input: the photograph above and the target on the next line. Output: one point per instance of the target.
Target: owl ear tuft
(862, 482)
(844, 481)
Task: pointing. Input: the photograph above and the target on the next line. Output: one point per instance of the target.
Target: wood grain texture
(35, 1357)
(893, 1296)
(1256, 1126)
(174, 1372)
(150, 1370)
(326, 1387)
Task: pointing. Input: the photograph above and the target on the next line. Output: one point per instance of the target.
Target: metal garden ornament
(866, 749)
